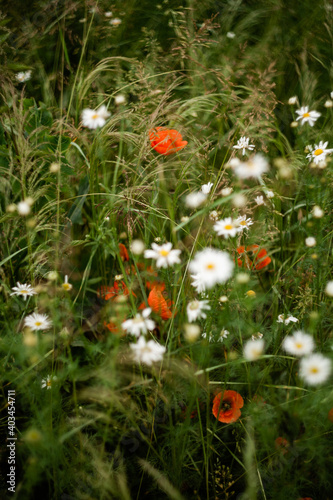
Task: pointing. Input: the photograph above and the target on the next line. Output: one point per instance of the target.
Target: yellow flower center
(314, 370)
(228, 227)
(66, 286)
(299, 345)
(48, 383)
(95, 116)
(243, 223)
(38, 323)
(318, 152)
(210, 266)
(194, 305)
(306, 115)
(164, 253)
(24, 291)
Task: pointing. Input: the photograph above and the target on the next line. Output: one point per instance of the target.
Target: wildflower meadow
(166, 181)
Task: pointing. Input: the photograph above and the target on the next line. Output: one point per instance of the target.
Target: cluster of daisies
(36, 321)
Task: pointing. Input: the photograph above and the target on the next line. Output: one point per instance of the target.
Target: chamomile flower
(286, 321)
(293, 100)
(65, 285)
(120, 99)
(329, 288)
(94, 118)
(243, 222)
(254, 167)
(23, 290)
(205, 188)
(47, 382)
(24, 207)
(227, 227)
(319, 152)
(259, 200)
(310, 241)
(140, 324)
(164, 255)
(210, 267)
(317, 212)
(37, 321)
(315, 369)
(147, 352)
(253, 349)
(298, 344)
(23, 76)
(115, 22)
(195, 309)
(223, 335)
(243, 143)
(307, 116)
(194, 200)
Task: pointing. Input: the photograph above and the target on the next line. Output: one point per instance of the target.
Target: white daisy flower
(317, 212)
(319, 152)
(307, 116)
(299, 344)
(259, 200)
(24, 207)
(194, 200)
(328, 103)
(226, 191)
(210, 267)
(108, 14)
(195, 309)
(269, 194)
(243, 222)
(37, 321)
(243, 143)
(115, 22)
(23, 290)
(315, 369)
(223, 335)
(205, 188)
(94, 118)
(293, 100)
(47, 382)
(329, 288)
(65, 285)
(23, 76)
(140, 324)
(310, 241)
(253, 349)
(119, 99)
(254, 167)
(286, 321)
(147, 352)
(137, 247)
(231, 34)
(227, 227)
(163, 254)
(192, 332)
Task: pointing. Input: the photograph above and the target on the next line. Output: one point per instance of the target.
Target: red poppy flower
(166, 141)
(259, 256)
(123, 252)
(282, 444)
(111, 292)
(227, 410)
(330, 415)
(158, 303)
